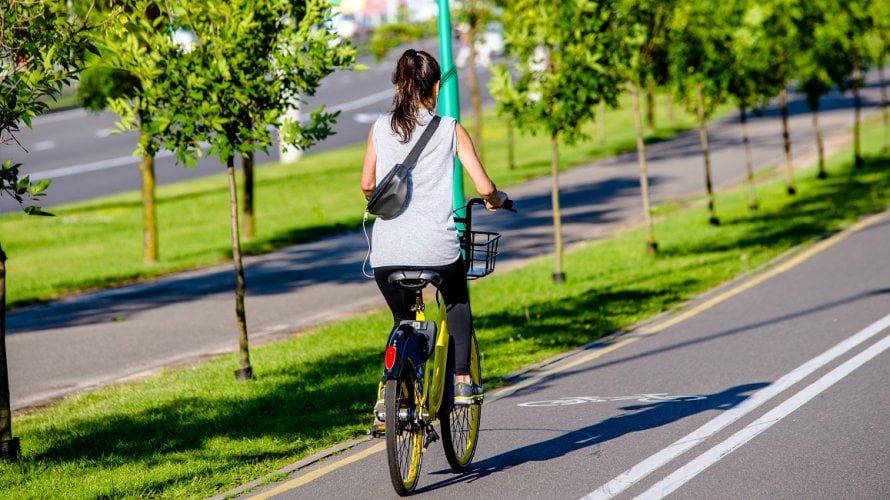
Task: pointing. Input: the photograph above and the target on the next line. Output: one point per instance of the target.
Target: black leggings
(457, 305)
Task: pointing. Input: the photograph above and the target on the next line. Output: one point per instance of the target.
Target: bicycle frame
(418, 345)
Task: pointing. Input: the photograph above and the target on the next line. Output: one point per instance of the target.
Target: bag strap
(414, 155)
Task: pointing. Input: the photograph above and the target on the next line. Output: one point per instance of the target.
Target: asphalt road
(90, 340)
(771, 387)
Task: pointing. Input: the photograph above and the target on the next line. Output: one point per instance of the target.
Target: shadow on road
(636, 418)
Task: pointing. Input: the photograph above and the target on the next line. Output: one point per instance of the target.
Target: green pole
(449, 99)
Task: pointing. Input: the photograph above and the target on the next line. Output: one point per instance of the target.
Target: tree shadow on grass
(296, 406)
(815, 212)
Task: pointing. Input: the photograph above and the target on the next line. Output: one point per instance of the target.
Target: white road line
(687, 472)
(44, 145)
(91, 167)
(365, 117)
(60, 116)
(636, 473)
(364, 101)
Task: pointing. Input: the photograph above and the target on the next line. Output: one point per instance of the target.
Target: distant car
(489, 44)
(346, 26)
(493, 41)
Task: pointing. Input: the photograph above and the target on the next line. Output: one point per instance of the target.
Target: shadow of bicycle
(636, 418)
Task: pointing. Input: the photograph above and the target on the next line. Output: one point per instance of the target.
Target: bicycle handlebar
(507, 205)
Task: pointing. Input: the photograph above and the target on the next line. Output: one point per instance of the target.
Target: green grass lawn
(97, 244)
(192, 432)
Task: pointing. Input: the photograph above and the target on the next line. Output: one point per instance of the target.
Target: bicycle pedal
(431, 437)
(378, 430)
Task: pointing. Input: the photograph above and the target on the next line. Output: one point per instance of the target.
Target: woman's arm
(470, 160)
(369, 166)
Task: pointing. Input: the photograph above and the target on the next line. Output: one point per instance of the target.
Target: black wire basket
(481, 252)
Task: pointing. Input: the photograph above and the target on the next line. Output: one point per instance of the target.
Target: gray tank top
(424, 234)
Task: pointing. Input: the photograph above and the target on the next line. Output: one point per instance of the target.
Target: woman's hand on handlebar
(503, 201)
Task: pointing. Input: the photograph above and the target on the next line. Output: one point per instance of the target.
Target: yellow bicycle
(417, 387)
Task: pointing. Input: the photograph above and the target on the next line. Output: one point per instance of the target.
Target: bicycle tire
(460, 427)
(404, 435)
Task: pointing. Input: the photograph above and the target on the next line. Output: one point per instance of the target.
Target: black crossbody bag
(391, 195)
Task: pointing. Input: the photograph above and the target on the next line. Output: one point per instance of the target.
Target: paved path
(96, 339)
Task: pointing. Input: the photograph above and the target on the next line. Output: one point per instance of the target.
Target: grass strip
(97, 244)
(192, 432)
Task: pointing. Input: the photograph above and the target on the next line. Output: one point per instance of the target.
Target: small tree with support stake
(566, 63)
(250, 62)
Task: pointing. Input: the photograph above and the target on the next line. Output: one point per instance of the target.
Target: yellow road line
(760, 278)
(312, 476)
(616, 344)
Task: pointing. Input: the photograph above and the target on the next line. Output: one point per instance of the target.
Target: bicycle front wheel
(404, 432)
(460, 428)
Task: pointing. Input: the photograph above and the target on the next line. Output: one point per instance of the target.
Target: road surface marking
(636, 473)
(312, 476)
(44, 145)
(91, 167)
(656, 397)
(60, 116)
(365, 117)
(364, 101)
(682, 475)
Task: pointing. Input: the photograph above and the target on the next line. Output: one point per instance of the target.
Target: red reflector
(389, 359)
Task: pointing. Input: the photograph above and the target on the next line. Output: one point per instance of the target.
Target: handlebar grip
(508, 204)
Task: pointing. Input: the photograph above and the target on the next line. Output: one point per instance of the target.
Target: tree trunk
(820, 147)
(749, 164)
(246, 371)
(247, 165)
(9, 446)
(786, 138)
(706, 153)
(601, 123)
(650, 104)
(149, 210)
(473, 84)
(511, 146)
(885, 105)
(670, 107)
(651, 245)
(857, 119)
(558, 275)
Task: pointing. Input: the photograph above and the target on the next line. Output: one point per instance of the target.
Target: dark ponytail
(415, 79)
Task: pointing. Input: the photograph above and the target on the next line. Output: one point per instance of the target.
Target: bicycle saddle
(414, 280)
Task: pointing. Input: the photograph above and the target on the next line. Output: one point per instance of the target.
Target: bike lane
(744, 392)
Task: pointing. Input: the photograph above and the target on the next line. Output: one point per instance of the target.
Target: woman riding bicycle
(424, 235)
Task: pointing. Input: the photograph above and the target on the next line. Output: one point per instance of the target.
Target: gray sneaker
(467, 394)
(378, 428)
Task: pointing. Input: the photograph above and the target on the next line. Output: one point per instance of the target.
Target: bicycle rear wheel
(460, 427)
(404, 433)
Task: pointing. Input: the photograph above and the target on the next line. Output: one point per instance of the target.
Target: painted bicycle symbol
(661, 397)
